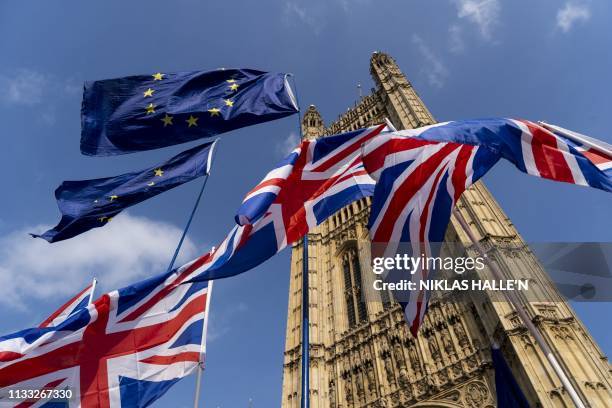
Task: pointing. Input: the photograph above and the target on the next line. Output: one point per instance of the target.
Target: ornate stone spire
(405, 107)
(312, 123)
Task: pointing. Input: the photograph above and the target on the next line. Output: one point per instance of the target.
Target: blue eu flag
(508, 392)
(88, 204)
(147, 112)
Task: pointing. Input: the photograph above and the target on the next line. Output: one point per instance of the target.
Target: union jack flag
(597, 152)
(78, 302)
(421, 173)
(541, 150)
(125, 349)
(418, 183)
(317, 179)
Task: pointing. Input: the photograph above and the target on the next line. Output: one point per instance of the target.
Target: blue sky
(548, 60)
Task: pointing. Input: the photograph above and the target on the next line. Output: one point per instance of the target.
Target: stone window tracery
(355, 307)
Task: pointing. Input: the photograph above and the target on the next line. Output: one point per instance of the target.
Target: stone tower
(312, 124)
(362, 354)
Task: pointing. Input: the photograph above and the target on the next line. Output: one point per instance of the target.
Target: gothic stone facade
(362, 354)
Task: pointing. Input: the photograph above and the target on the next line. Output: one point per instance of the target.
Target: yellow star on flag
(148, 92)
(159, 172)
(167, 120)
(101, 219)
(214, 111)
(233, 87)
(113, 197)
(150, 108)
(158, 77)
(228, 102)
(231, 81)
(192, 121)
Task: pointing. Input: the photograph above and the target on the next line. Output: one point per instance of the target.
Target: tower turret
(405, 107)
(312, 123)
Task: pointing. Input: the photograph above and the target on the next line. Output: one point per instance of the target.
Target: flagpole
(91, 291)
(171, 265)
(305, 385)
(514, 300)
(195, 206)
(201, 362)
(305, 400)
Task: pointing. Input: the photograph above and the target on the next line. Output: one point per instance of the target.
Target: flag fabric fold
(418, 183)
(125, 349)
(314, 181)
(76, 303)
(507, 390)
(145, 112)
(532, 148)
(421, 173)
(87, 204)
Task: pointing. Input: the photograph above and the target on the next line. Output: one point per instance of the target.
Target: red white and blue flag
(125, 349)
(422, 172)
(541, 150)
(597, 152)
(418, 183)
(78, 302)
(314, 181)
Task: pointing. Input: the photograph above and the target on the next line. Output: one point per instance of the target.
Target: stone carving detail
(475, 394)
(457, 371)
(567, 333)
(399, 358)
(526, 339)
(461, 335)
(332, 394)
(371, 379)
(395, 398)
(453, 396)
(389, 368)
(422, 386)
(348, 388)
(359, 384)
(403, 379)
(447, 343)
(433, 347)
(351, 234)
(472, 362)
(414, 358)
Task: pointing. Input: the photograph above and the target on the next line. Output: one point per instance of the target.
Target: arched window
(355, 306)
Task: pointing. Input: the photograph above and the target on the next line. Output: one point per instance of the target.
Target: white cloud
(317, 14)
(572, 13)
(455, 39)
(219, 324)
(434, 68)
(48, 117)
(128, 249)
(483, 13)
(25, 87)
(293, 11)
(72, 86)
(285, 146)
